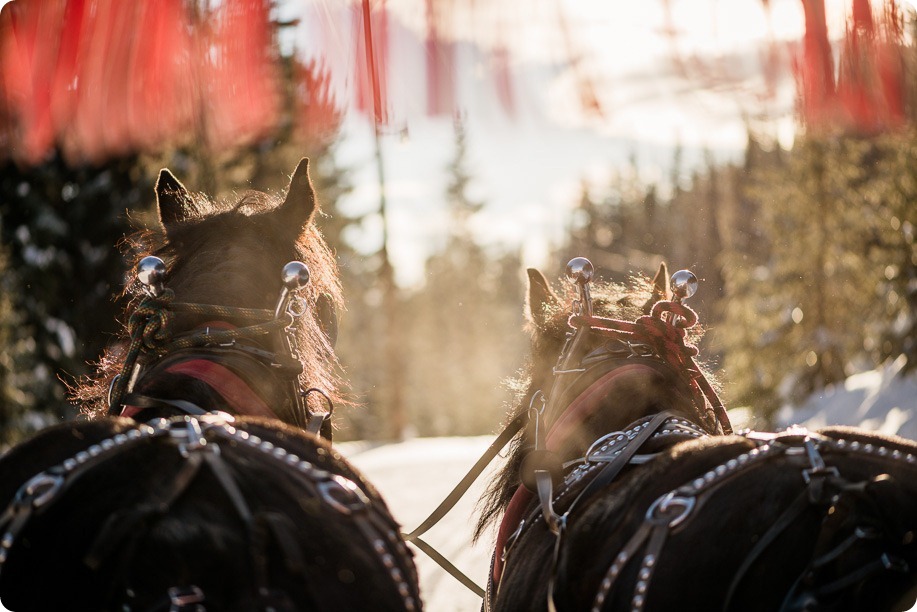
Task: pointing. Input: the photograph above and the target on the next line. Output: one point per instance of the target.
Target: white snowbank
(882, 400)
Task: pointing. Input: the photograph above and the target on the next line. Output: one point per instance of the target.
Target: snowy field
(414, 477)
(883, 400)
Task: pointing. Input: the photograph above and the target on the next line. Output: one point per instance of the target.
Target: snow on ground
(882, 400)
(414, 477)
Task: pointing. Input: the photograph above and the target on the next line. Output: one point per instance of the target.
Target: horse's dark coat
(198, 539)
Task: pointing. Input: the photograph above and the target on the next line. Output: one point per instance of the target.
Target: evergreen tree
(890, 248)
(466, 324)
(800, 314)
(59, 226)
(14, 357)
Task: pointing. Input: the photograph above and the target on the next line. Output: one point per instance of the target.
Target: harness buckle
(180, 598)
(658, 509)
(189, 434)
(343, 495)
(818, 468)
(639, 349)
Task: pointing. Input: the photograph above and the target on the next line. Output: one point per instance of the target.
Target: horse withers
(200, 481)
(629, 491)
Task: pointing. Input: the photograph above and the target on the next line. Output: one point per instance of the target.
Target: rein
(651, 336)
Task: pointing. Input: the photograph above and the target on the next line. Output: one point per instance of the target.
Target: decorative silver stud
(151, 272)
(294, 276)
(684, 285)
(580, 272)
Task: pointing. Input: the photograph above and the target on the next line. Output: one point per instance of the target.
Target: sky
(689, 73)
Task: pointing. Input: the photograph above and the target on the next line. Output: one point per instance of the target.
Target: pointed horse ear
(542, 301)
(172, 199)
(298, 206)
(661, 288)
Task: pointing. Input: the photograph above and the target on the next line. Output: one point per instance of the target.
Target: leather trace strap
(505, 436)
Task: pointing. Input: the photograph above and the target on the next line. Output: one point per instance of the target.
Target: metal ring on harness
(41, 489)
(318, 420)
(657, 510)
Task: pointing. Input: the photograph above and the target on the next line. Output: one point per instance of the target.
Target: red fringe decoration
(102, 77)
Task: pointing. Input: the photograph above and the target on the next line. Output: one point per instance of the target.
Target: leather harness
(198, 440)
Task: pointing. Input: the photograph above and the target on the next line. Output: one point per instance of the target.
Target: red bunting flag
(370, 26)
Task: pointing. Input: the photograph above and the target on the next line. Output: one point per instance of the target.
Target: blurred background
(768, 145)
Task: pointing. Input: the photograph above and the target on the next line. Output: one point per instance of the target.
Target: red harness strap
(582, 407)
(234, 391)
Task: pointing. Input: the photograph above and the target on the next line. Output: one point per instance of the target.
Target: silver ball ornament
(295, 275)
(151, 271)
(580, 271)
(684, 284)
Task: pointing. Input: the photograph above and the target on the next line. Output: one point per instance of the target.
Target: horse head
(233, 309)
(606, 356)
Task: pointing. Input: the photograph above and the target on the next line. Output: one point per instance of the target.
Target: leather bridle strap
(605, 476)
(611, 469)
(787, 518)
(508, 433)
(134, 404)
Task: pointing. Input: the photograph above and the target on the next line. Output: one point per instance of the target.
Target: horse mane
(547, 326)
(205, 219)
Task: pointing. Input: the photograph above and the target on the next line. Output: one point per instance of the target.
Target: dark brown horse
(204, 500)
(628, 490)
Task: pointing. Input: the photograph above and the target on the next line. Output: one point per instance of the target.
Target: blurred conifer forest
(808, 256)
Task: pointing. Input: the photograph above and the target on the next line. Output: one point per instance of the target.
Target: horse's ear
(172, 199)
(542, 301)
(327, 317)
(299, 205)
(661, 288)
